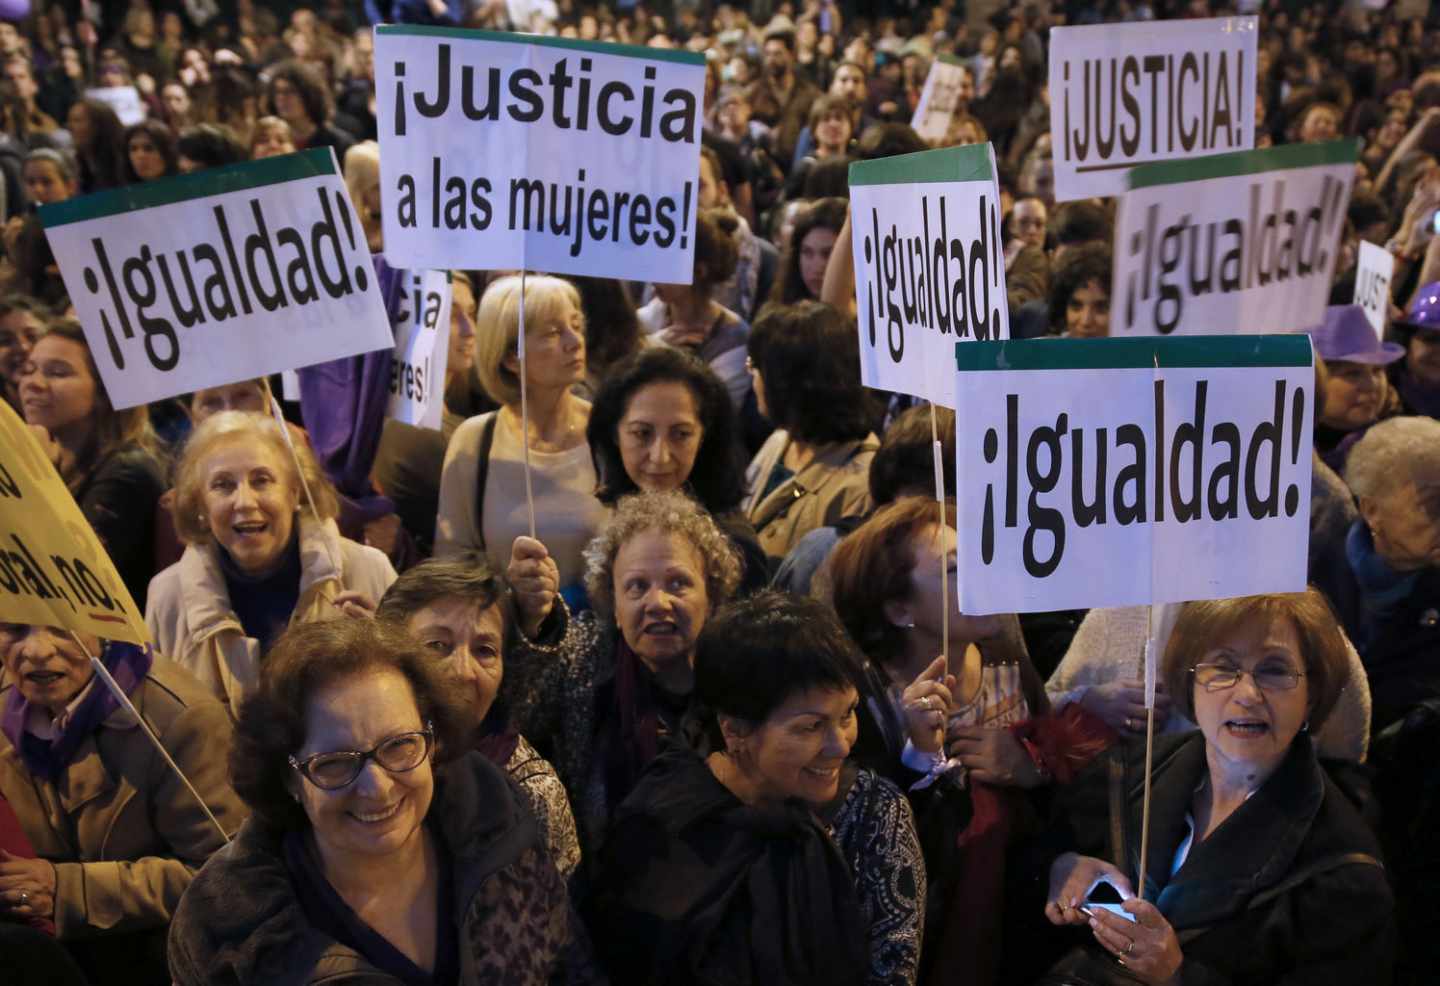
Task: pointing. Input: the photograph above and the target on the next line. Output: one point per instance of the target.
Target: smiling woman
(254, 562)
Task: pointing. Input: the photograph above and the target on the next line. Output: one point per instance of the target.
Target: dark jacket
(118, 498)
(1288, 891)
(242, 921)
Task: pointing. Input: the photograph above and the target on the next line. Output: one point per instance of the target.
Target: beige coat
(191, 619)
(835, 484)
(123, 832)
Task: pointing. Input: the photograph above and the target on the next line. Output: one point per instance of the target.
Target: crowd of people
(645, 676)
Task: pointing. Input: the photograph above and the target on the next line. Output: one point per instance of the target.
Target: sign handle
(1149, 744)
(524, 410)
(940, 536)
(129, 707)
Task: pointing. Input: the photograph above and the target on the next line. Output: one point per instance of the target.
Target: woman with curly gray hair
(618, 679)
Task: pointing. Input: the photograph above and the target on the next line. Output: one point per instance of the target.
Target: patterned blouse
(546, 797)
(875, 831)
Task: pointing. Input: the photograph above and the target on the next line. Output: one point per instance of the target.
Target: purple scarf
(47, 759)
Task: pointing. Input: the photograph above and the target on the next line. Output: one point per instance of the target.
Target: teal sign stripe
(1280, 158)
(1178, 352)
(969, 163)
(184, 188)
(574, 44)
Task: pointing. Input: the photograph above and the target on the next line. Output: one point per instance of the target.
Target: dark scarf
(1384, 589)
(697, 887)
(47, 759)
(633, 715)
(264, 604)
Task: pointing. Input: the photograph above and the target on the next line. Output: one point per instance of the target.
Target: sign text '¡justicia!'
(1230, 256)
(1234, 474)
(612, 107)
(201, 285)
(921, 268)
(1195, 102)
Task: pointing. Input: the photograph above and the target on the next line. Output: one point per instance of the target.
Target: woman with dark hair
(116, 834)
(762, 855)
(99, 139)
(663, 421)
(802, 266)
(814, 469)
(108, 459)
(208, 145)
(298, 95)
(380, 849)
(150, 152)
(688, 317)
(463, 614)
(612, 329)
(1080, 293)
(1416, 378)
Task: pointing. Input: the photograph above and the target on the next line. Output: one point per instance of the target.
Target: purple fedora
(1346, 334)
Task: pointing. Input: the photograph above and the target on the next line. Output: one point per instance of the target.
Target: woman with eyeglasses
(1260, 868)
(381, 849)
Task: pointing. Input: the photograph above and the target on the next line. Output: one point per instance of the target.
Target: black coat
(1401, 653)
(1288, 891)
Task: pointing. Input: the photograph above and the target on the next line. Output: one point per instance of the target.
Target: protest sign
(1232, 243)
(517, 151)
(124, 100)
(422, 346)
(929, 266)
(939, 97)
(53, 570)
(1116, 472)
(241, 271)
(1372, 284)
(1123, 94)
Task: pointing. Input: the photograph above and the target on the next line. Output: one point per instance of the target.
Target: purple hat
(1424, 311)
(1346, 334)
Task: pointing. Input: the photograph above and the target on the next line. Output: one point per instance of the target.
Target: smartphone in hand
(1104, 896)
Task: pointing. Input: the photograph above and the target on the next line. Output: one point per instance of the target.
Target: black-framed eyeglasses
(398, 754)
(1219, 677)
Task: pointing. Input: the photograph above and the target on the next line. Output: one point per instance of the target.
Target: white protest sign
(1232, 243)
(514, 151)
(1118, 472)
(1123, 94)
(1372, 284)
(218, 276)
(929, 265)
(938, 98)
(124, 100)
(422, 348)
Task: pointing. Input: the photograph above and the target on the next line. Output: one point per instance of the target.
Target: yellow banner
(53, 570)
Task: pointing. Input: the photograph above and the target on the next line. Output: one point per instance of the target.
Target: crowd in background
(708, 722)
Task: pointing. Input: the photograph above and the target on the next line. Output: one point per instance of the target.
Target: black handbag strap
(482, 473)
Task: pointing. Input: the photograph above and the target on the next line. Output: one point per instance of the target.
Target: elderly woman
(380, 849)
(482, 487)
(1260, 870)
(1357, 390)
(814, 468)
(109, 459)
(663, 421)
(1394, 556)
(116, 833)
(255, 562)
(619, 680)
(764, 856)
(462, 614)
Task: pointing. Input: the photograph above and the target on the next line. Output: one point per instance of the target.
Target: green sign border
(1178, 352)
(1281, 158)
(968, 163)
(314, 163)
(573, 44)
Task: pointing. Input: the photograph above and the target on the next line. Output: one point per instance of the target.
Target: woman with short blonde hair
(482, 486)
(258, 556)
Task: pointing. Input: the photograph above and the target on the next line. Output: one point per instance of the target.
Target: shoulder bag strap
(482, 473)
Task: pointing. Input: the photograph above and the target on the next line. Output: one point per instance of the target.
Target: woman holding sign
(256, 559)
(483, 490)
(1260, 868)
(116, 833)
(108, 458)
